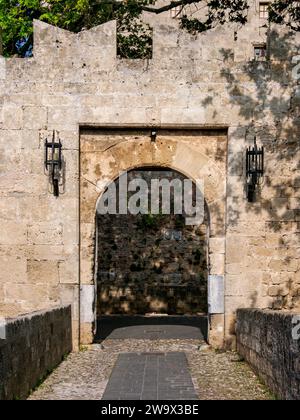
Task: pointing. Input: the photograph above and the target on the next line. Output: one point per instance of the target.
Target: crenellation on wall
(49, 37)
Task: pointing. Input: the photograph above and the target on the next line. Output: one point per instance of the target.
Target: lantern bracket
(254, 169)
(53, 161)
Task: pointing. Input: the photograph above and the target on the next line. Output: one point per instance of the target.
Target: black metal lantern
(254, 169)
(53, 161)
(153, 135)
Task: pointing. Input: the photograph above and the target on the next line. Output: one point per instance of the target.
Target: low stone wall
(265, 339)
(34, 344)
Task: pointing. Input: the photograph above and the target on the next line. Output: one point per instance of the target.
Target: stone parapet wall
(268, 341)
(34, 345)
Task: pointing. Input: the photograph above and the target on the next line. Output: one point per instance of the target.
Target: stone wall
(265, 340)
(151, 263)
(211, 80)
(34, 345)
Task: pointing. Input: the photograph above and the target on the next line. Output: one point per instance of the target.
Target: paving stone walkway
(150, 376)
(216, 376)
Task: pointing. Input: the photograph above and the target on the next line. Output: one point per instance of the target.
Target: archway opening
(151, 267)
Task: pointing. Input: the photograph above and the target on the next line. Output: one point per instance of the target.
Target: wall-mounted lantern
(153, 135)
(254, 169)
(53, 161)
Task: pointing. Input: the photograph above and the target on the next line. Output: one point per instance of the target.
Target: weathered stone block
(35, 118)
(42, 272)
(13, 270)
(45, 234)
(217, 246)
(274, 291)
(216, 288)
(68, 271)
(12, 117)
(13, 234)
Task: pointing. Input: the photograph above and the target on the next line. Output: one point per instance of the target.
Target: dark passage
(153, 328)
(151, 263)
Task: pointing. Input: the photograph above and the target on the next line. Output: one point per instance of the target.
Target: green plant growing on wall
(134, 37)
(150, 221)
(179, 222)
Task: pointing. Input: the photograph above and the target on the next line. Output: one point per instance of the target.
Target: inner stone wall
(151, 263)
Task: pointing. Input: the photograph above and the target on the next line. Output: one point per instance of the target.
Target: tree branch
(169, 6)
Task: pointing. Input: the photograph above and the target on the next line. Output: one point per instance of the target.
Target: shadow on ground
(152, 328)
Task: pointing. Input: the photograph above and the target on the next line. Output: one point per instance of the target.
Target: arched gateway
(115, 278)
(149, 260)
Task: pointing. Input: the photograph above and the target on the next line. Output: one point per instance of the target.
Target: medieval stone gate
(199, 154)
(76, 85)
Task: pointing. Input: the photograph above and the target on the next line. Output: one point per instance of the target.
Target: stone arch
(103, 159)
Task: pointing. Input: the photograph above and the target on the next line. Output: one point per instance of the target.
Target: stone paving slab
(150, 376)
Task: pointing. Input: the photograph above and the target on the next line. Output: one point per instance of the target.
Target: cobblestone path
(215, 375)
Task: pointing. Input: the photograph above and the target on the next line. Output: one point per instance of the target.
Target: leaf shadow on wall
(269, 102)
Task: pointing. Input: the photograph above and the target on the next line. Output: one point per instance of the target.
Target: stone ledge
(13, 312)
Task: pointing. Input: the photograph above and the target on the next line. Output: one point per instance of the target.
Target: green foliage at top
(150, 221)
(134, 36)
(16, 16)
(219, 12)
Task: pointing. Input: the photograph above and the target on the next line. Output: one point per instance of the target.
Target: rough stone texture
(151, 263)
(34, 345)
(265, 340)
(209, 80)
(216, 376)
